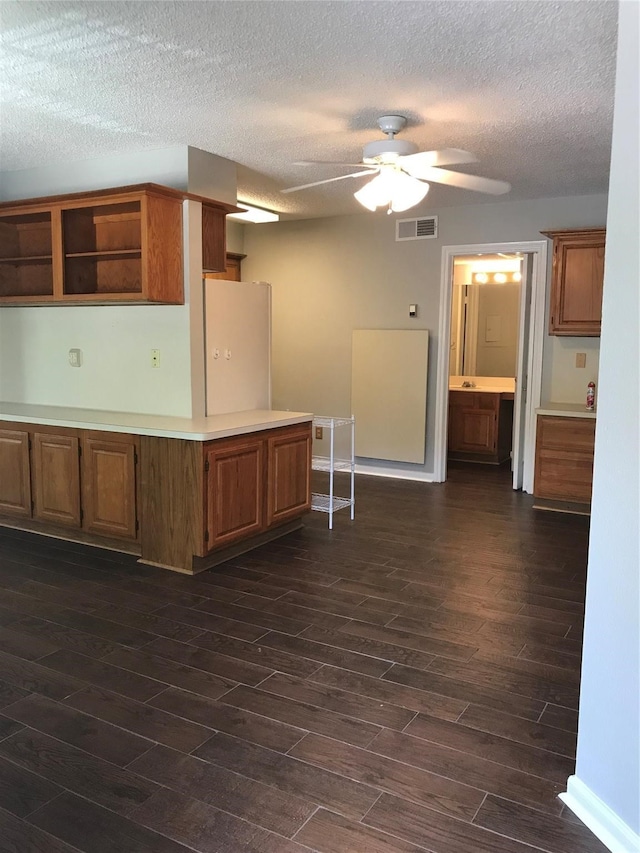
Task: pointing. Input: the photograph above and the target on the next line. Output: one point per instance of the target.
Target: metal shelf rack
(331, 502)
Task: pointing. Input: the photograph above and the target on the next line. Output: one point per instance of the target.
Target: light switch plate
(581, 359)
(75, 357)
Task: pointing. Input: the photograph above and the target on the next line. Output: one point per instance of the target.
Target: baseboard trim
(599, 818)
(395, 473)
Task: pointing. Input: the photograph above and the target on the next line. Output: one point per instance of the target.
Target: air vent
(425, 228)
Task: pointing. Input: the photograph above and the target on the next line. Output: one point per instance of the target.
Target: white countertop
(163, 426)
(484, 384)
(565, 410)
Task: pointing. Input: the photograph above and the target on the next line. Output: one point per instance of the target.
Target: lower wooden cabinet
(234, 494)
(109, 485)
(15, 473)
(564, 460)
(192, 498)
(289, 476)
(55, 476)
(199, 498)
(69, 479)
(480, 426)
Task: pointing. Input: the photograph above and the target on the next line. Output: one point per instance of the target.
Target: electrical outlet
(319, 432)
(155, 358)
(581, 359)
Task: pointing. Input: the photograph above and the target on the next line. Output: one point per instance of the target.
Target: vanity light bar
(496, 277)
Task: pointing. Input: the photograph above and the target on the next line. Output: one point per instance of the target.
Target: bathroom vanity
(480, 422)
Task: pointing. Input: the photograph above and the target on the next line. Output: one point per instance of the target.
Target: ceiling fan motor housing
(387, 150)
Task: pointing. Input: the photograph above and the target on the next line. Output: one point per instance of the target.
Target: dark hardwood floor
(407, 682)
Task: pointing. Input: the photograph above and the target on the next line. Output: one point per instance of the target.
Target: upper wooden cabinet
(576, 283)
(119, 245)
(233, 268)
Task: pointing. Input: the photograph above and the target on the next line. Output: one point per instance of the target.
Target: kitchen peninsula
(182, 493)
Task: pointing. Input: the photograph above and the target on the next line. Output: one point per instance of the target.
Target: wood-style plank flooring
(405, 683)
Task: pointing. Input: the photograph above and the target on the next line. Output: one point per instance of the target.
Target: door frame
(538, 251)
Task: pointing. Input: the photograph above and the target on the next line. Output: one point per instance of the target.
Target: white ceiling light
(394, 188)
(254, 214)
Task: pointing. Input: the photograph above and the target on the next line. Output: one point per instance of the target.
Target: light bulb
(481, 278)
(499, 278)
(517, 276)
(394, 188)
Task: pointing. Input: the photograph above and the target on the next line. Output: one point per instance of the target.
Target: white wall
(333, 275)
(116, 373)
(607, 781)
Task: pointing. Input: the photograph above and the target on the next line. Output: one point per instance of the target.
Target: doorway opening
(490, 356)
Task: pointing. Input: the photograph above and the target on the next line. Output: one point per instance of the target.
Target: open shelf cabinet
(107, 246)
(331, 464)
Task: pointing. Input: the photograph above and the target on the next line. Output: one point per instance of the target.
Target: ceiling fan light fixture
(392, 188)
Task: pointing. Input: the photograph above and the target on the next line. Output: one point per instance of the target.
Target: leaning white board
(389, 393)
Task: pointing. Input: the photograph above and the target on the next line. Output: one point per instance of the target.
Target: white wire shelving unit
(331, 502)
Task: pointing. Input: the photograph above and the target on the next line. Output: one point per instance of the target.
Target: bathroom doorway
(490, 356)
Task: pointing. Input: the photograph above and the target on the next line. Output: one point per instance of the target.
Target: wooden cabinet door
(214, 224)
(56, 478)
(233, 270)
(576, 285)
(289, 474)
(15, 481)
(564, 459)
(473, 422)
(234, 472)
(109, 485)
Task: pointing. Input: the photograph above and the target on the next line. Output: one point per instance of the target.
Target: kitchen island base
(179, 500)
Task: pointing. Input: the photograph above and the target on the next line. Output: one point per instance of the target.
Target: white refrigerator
(238, 345)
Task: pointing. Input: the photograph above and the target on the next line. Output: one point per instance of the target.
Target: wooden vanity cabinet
(564, 463)
(15, 473)
(576, 282)
(480, 426)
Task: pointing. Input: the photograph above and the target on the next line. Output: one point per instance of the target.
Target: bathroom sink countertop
(484, 384)
(484, 389)
(565, 410)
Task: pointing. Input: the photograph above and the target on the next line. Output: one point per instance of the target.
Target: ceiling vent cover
(424, 228)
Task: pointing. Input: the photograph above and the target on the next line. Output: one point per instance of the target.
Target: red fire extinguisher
(591, 396)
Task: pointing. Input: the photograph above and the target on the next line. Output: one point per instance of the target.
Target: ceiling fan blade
(415, 164)
(464, 182)
(368, 172)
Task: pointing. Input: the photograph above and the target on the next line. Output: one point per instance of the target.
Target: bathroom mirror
(485, 313)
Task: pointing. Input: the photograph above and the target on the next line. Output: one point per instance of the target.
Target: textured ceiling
(527, 86)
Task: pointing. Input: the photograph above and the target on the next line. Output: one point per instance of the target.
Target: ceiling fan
(401, 171)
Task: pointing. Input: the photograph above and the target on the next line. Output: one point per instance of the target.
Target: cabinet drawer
(576, 435)
(564, 459)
